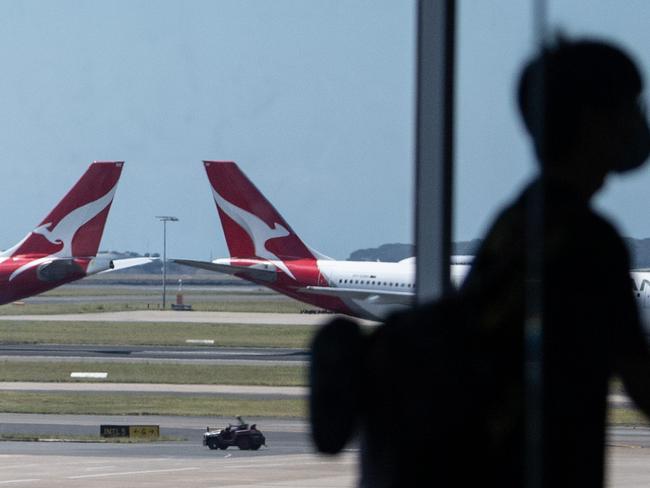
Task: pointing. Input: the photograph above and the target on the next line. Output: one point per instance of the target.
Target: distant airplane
(641, 289)
(63, 247)
(265, 250)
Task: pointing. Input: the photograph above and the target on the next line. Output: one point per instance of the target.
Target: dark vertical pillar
(434, 146)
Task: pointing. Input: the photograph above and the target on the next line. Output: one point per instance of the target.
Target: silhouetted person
(437, 394)
(594, 125)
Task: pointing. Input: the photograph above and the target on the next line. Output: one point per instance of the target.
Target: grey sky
(314, 99)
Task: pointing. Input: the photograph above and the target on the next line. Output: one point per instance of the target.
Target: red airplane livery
(63, 247)
(265, 250)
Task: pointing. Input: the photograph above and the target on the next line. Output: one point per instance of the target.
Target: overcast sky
(493, 154)
(314, 100)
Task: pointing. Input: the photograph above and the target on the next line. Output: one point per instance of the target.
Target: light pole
(164, 219)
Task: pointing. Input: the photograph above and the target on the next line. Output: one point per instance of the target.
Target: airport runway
(194, 316)
(223, 391)
(215, 470)
(176, 354)
(283, 436)
(287, 461)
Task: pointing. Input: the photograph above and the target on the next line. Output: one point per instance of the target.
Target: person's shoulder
(507, 227)
(578, 217)
(600, 239)
(605, 230)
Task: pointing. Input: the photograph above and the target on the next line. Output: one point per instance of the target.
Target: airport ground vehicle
(243, 436)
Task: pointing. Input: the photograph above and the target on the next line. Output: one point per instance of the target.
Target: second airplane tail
(74, 227)
(252, 226)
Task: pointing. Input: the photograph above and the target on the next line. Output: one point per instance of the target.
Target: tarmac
(193, 316)
(260, 318)
(289, 461)
(264, 391)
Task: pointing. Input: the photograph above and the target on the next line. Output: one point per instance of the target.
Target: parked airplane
(63, 247)
(265, 250)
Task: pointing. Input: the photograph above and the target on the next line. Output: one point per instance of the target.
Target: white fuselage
(398, 278)
(641, 289)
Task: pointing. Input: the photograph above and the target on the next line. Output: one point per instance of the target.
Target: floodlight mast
(164, 219)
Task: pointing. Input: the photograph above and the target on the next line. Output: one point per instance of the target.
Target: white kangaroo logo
(258, 230)
(64, 231)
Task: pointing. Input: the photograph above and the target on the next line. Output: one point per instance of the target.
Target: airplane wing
(129, 263)
(53, 269)
(264, 274)
(105, 265)
(378, 296)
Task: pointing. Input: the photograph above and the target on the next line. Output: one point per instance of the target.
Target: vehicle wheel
(255, 447)
(244, 443)
(212, 443)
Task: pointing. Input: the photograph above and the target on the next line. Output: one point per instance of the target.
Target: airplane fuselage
(311, 279)
(28, 275)
(356, 288)
(641, 289)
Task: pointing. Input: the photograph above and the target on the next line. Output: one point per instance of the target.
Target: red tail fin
(252, 226)
(74, 227)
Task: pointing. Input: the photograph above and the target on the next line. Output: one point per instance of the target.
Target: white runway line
(12, 466)
(129, 473)
(28, 480)
(88, 374)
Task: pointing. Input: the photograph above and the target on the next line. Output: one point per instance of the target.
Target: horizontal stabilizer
(378, 296)
(264, 274)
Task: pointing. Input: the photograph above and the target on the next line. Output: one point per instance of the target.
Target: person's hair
(567, 76)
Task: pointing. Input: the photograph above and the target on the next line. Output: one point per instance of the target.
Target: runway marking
(289, 463)
(28, 480)
(97, 468)
(128, 473)
(88, 374)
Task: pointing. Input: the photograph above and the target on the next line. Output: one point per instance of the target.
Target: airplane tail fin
(252, 226)
(74, 227)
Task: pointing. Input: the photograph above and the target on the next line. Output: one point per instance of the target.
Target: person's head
(581, 100)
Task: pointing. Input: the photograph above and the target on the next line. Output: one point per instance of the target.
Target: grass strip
(151, 333)
(155, 404)
(626, 416)
(119, 372)
(85, 291)
(150, 404)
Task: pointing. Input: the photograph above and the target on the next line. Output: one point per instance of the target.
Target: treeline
(639, 250)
